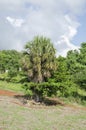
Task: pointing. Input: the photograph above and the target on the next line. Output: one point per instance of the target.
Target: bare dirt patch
(7, 93)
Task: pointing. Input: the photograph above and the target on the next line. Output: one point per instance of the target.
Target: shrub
(42, 89)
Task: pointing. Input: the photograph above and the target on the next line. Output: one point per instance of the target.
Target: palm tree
(39, 59)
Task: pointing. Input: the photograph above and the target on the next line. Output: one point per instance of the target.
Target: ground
(16, 113)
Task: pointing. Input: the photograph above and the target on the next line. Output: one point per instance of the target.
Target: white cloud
(15, 22)
(56, 19)
(64, 44)
(76, 6)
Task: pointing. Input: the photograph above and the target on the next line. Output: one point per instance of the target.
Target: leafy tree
(62, 73)
(80, 76)
(9, 63)
(76, 63)
(82, 57)
(72, 61)
(63, 78)
(9, 59)
(39, 59)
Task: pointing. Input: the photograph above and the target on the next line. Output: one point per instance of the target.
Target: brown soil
(7, 93)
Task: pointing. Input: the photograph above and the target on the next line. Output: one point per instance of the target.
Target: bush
(46, 89)
(41, 89)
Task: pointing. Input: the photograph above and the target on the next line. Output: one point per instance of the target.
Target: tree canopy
(39, 59)
(9, 59)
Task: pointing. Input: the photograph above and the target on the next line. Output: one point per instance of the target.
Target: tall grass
(17, 87)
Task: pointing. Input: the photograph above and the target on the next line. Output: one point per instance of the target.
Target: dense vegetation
(43, 74)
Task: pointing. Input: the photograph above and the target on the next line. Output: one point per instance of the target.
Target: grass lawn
(15, 117)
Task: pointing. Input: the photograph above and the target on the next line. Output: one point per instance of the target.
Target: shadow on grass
(47, 101)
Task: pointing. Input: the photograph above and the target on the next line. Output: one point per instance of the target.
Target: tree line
(41, 72)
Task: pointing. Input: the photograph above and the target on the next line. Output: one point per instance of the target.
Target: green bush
(41, 89)
(46, 89)
(67, 89)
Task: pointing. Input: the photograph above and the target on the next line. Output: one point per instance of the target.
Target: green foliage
(41, 89)
(3, 76)
(82, 58)
(39, 59)
(80, 78)
(9, 59)
(12, 73)
(76, 62)
(9, 65)
(72, 61)
(41, 73)
(62, 76)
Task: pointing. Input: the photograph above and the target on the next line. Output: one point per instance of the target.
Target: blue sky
(81, 34)
(63, 21)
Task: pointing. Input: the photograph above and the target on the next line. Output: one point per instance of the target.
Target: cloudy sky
(63, 21)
